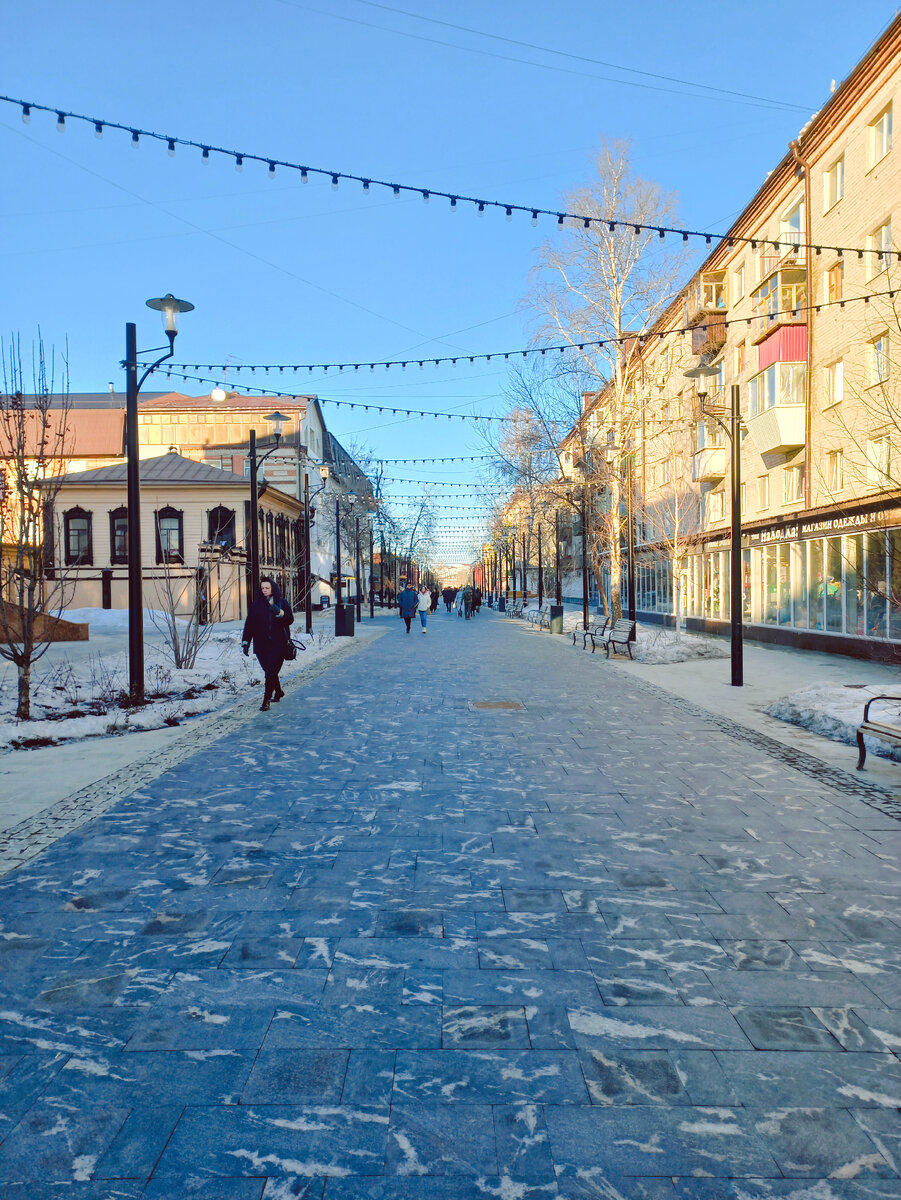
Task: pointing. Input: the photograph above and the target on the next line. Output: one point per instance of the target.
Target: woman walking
(424, 603)
(268, 626)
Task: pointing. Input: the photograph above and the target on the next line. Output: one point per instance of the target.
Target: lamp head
(278, 421)
(701, 376)
(323, 473)
(169, 307)
(218, 394)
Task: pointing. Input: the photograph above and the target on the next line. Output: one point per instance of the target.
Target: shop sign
(826, 526)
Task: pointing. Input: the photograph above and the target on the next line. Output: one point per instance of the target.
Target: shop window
(79, 538)
(170, 536)
(833, 584)
(877, 588)
(817, 585)
(854, 579)
(799, 584)
(894, 595)
(118, 536)
(834, 183)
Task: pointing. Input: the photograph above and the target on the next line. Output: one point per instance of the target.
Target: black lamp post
(169, 307)
(371, 577)
(279, 420)
(733, 432)
(558, 590)
(344, 621)
(540, 571)
(307, 561)
(357, 572)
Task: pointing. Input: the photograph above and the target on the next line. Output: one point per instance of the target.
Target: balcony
(709, 464)
(780, 300)
(706, 313)
(777, 429)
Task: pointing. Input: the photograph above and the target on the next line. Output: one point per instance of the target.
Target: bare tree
(180, 612)
(34, 442)
(608, 283)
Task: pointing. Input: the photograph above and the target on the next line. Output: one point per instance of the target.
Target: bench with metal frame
(594, 629)
(536, 616)
(622, 633)
(885, 730)
(514, 608)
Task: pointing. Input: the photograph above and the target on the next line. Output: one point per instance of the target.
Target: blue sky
(282, 271)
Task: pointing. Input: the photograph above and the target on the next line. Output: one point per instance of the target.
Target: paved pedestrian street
(382, 944)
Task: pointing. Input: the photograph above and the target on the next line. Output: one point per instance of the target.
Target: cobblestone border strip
(33, 835)
(843, 781)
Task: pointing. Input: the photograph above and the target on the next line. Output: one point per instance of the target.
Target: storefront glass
(817, 598)
(876, 585)
(854, 585)
(833, 585)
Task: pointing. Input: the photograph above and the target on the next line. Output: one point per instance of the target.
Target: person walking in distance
(433, 596)
(268, 627)
(409, 603)
(423, 605)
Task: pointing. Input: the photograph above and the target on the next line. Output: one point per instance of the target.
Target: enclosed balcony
(706, 313)
(780, 300)
(708, 464)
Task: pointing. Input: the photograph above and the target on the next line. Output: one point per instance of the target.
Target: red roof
(78, 433)
(177, 402)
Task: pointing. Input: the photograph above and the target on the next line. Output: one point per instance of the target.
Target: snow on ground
(655, 644)
(79, 689)
(834, 710)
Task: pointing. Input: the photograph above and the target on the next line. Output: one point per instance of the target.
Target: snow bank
(834, 710)
(657, 645)
(77, 696)
(107, 621)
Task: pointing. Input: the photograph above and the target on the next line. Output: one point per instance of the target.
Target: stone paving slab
(380, 944)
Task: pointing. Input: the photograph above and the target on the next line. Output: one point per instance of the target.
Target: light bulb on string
(304, 175)
(271, 171)
(534, 218)
(205, 155)
(60, 122)
(135, 139)
(171, 148)
(26, 114)
(334, 183)
(239, 162)
(98, 129)
(508, 212)
(365, 185)
(481, 209)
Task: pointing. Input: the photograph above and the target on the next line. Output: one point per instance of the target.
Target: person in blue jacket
(409, 601)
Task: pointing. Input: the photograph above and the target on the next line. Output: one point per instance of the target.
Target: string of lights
(250, 390)
(455, 199)
(456, 458)
(641, 339)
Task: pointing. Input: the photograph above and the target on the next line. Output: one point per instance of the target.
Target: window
(763, 492)
(740, 358)
(221, 527)
(713, 290)
(835, 282)
(716, 505)
(782, 383)
(834, 471)
(739, 281)
(793, 484)
(879, 364)
(170, 536)
(834, 184)
(879, 461)
(835, 383)
(666, 472)
(881, 136)
(79, 549)
(118, 535)
(879, 244)
(790, 227)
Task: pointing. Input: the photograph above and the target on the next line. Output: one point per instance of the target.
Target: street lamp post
(733, 432)
(371, 577)
(558, 590)
(344, 627)
(307, 559)
(584, 508)
(540, 571)
(357, 572)
(169, 307)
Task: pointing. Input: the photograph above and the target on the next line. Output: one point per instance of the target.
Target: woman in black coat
(268, 626)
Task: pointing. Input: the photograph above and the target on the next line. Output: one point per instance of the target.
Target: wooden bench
(881, 729)
(594, 629)
(514, 609)
(621, 634)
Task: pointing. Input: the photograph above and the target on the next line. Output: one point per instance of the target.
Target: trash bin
(344, 620)
(502, 604)
(556, 618)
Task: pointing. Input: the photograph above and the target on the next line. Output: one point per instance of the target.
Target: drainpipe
(803, 165)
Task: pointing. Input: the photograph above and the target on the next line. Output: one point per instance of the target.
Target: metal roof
(167, 468)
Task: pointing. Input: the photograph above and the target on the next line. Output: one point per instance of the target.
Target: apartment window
(79, 548)
(834, 184)
(170, 546)
(835, 383)
(716, 505)
(118, 536)
(790, 227)
(835, 282)
(763, 492)
(666, 471)
(879, 363)
(879, 461)
(740, 358)
(793, 484)
(739, 281)
(881, 136)
(834, 471)
(879, 244)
